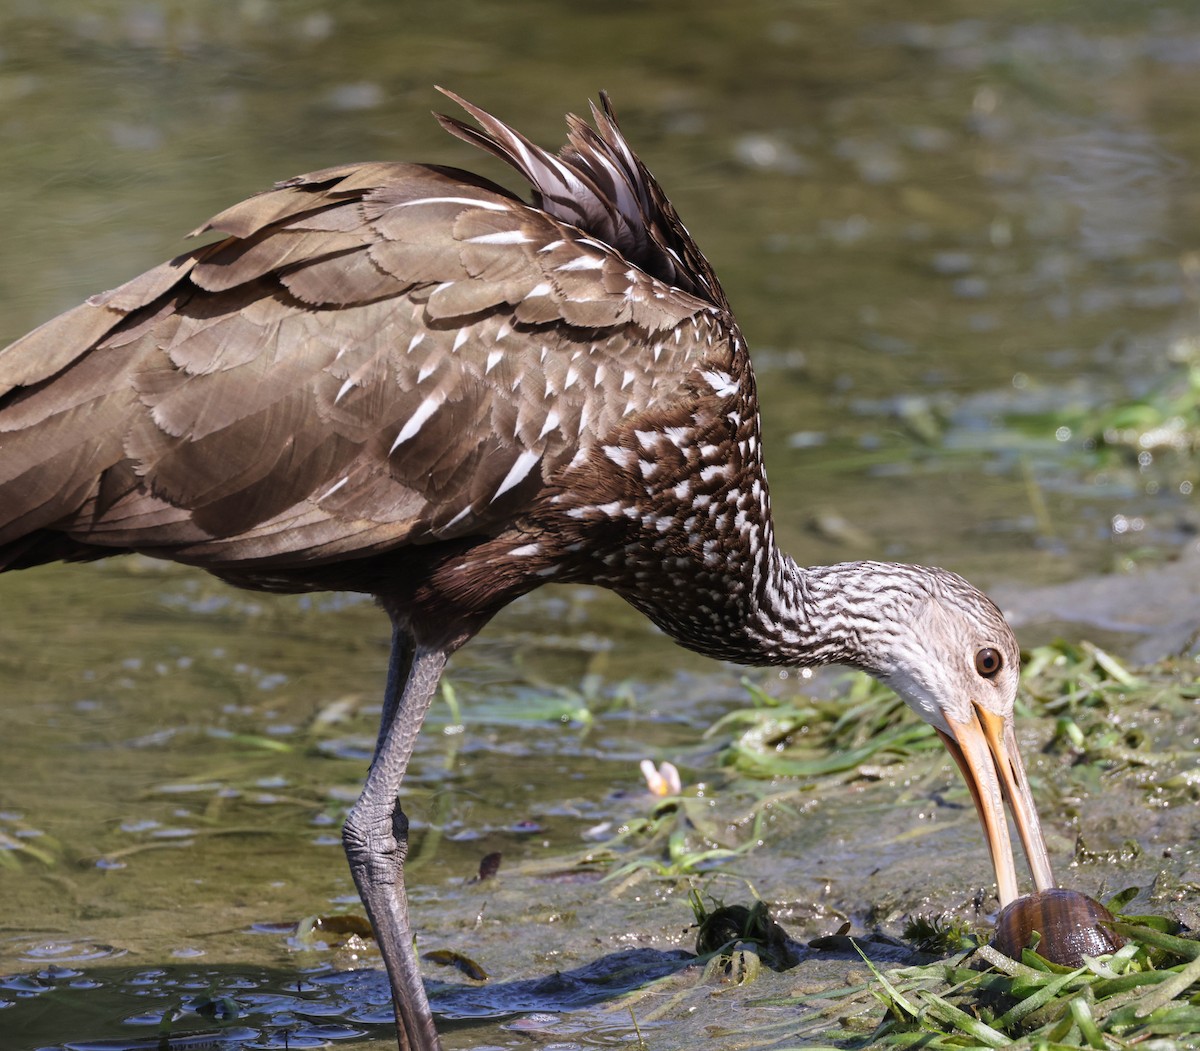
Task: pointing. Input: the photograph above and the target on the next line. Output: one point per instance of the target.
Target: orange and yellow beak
(985, 749)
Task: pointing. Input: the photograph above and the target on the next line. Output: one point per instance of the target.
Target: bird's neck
(808, 616)
(816, 615)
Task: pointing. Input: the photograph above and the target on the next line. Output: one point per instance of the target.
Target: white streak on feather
(333, 489)
(501, 237)
(458, 517)
(417, 420)
(523, 465)
(621, 457)
(582, 262)
(491, 206)
(721, 382)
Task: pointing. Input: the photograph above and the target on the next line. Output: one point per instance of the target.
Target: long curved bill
(985, 749)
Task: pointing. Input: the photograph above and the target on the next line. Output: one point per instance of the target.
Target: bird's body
(402, 380)
(398, 382)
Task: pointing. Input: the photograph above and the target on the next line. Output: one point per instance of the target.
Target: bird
(408, 381)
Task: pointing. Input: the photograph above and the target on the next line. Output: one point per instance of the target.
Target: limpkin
(403, 380)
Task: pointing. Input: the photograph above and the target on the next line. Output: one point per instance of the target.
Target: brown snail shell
(1071, 924)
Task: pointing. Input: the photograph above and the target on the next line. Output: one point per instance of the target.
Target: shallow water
(940, 231)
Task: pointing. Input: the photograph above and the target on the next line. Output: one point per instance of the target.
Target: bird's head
(946, 649)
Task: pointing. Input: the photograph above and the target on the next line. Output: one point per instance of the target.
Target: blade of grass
(1171, 988)
(1081, 1012)
(897, 999)
(1111, 665)
(1043, 996)
(1188, 948)
(962, 1021)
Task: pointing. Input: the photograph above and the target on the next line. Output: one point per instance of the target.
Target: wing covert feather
(379, 354)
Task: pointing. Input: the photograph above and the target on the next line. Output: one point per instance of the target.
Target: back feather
(598, 184)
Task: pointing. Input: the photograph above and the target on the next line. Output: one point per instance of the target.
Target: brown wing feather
(382, 354)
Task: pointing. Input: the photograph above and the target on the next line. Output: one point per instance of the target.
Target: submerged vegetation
(1144, 995)
(809, 737)
(1100, 723)
(1139, 995)
(1096, 729)
(1103, 719)
(1166, 419)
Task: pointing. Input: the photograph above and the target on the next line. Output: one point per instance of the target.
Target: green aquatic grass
(1164, 420)
(1144, 996)
(678, 839)
(1101, 722)
(1110, 722)
(1148, 991)
(807, 737)
(938, 935)
(1099, 717)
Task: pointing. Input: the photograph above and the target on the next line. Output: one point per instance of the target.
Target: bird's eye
(988, 662)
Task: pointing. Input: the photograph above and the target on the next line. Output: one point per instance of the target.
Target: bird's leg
(376, 835)
(400, 662)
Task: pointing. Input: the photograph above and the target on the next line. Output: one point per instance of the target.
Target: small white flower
(663, 781)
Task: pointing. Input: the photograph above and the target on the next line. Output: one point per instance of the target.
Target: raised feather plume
(598, 184)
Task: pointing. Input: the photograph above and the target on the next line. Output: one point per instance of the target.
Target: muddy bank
(1147, 614)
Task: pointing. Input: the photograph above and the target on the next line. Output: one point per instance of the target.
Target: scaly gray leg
(376, 835)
